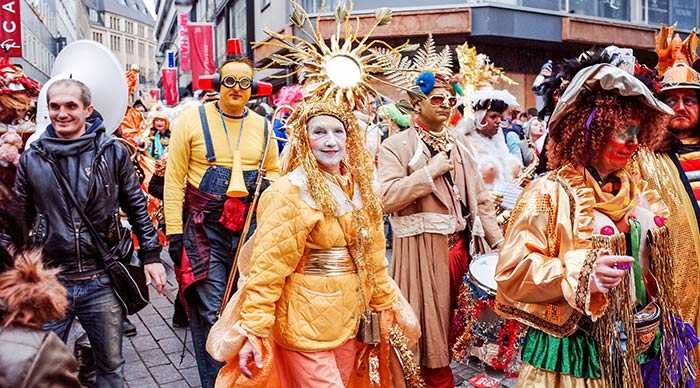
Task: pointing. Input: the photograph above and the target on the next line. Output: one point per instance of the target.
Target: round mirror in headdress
(343, 71)
(94, 65)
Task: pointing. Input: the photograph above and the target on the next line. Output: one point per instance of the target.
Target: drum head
(482, 270)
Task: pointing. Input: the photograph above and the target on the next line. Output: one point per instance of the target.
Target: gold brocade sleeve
(540, 262)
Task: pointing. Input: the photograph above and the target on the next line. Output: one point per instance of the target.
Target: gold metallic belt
(326, 262)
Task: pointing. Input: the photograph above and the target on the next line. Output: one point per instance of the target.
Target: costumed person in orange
(17, 93)
(319, 270)
(430, 184)
(585, 263)
(316, 306)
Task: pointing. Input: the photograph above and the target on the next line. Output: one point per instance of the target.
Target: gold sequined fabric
(661, 174)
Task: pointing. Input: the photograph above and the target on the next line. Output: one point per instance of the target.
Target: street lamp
(183, 6)
(160, 55)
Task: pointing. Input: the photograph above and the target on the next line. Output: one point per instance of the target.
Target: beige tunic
(421, 221)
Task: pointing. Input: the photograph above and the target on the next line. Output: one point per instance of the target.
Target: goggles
(439, 99)
(243, 83)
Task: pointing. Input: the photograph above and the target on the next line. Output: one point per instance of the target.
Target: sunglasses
(230, 82)
(673, 100)
(439, 99)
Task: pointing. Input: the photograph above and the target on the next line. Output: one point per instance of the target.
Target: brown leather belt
(335, 261)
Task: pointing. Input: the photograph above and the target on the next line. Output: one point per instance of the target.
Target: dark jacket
(103, 178)
(35, 358)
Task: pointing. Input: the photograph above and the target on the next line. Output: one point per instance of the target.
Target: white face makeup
(328, 138)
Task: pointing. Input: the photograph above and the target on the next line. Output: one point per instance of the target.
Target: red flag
(184, 43)
(201, 39)
(155, 94)
(10, 27)
(172, 96)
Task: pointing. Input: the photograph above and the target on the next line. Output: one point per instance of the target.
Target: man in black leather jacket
(103, 179)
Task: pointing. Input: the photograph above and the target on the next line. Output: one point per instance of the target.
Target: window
(237, 22)
(97, 36)
(142, 49)
(114, 23)
(115, 43)
(221, 39)
(141, 33)
(129, 27)
(94, 17)
(312, 6)
(129, 46)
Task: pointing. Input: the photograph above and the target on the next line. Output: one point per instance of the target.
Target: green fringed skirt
(575, 355)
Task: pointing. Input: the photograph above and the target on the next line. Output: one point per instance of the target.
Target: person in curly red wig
(582, 135)
(579, 246)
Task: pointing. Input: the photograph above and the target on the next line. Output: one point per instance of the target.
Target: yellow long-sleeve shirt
(188, 154)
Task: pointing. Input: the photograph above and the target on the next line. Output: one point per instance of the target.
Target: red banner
(155, 94)
(10, 27)
(170, 88)
(184, 43)
(201, 39)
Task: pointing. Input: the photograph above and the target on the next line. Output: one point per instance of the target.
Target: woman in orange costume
(319, 268)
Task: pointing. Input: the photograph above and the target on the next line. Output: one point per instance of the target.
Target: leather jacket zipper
(79, 260)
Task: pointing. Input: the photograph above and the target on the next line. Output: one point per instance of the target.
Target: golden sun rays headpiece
(342, 70)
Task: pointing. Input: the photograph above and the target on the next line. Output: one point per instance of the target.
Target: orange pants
(323, 369)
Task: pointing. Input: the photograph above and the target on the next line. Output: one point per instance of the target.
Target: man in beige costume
(431, 186)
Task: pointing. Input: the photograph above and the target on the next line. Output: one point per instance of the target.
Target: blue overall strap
(211, 157)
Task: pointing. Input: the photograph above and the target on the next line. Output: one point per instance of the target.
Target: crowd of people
(560, 244)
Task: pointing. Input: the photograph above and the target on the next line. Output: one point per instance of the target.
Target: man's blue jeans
(94, 303)
(204, 297)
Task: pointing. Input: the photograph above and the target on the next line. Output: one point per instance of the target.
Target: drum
(482, 273)
(480, 332)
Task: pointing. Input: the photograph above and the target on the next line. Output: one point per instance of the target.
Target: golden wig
(360, 164)
(574, 142)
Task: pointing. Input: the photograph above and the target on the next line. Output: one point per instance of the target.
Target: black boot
(86, 362)
(129, 328)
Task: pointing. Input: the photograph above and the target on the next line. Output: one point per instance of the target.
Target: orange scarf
(612, 205)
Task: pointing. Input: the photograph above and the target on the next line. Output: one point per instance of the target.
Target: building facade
(47, 27)
(518, 35)
(127, 28)
(231, 19)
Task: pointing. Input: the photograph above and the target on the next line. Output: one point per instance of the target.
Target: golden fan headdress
(476, 71)
(342, 70)
(427, 58)
(676, 58)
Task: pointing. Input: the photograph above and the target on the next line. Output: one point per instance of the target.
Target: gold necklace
(439, 141)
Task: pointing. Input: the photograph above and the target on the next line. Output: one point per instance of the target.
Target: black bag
(124, 268)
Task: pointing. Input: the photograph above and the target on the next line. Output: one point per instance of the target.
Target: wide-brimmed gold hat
(604, 77)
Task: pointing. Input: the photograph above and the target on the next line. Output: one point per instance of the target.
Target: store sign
(10, 27)
(184, 43)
